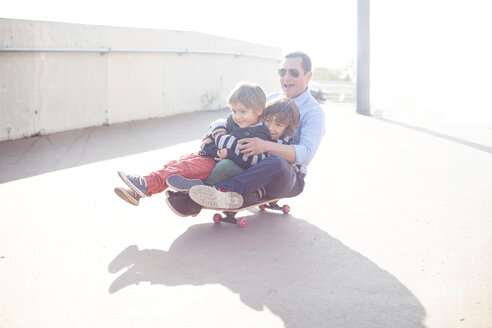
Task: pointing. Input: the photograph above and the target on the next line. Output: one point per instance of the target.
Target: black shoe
(251, 198)
(181, 204)
(254, 197)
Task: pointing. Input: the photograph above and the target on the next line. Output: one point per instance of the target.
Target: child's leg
(274, 173)
(191, 166)
(137, 184)
(223, 170)
(226, 169)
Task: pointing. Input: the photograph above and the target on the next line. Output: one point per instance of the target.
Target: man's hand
(253, 146)
(221, 154)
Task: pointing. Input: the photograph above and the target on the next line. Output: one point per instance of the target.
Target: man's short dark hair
(306, 60)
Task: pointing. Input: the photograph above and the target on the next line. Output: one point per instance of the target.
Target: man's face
(291, 85)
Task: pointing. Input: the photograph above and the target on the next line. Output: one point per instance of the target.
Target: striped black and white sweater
(229, 141)
(233, 133)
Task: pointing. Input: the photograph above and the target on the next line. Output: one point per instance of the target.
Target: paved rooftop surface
(394, 229)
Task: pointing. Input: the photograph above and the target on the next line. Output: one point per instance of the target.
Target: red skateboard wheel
(217, 218)
(241, 222)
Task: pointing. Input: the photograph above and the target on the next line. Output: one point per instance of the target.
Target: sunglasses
(293, 72)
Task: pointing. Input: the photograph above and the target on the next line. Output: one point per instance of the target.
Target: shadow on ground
(32, 156)
(301, 273)
(448, 137)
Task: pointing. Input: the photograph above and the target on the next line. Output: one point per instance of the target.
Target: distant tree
(332, 74)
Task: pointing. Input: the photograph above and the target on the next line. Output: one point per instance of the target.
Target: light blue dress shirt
(311, 129)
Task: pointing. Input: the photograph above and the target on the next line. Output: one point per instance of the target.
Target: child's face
(275, 127)
(243, 116)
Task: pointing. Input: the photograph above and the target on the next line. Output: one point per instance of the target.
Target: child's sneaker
(211, 197)
(136, 182)
(179, 183)
(128, 195)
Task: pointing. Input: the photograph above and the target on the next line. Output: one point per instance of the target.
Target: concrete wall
(135, 76)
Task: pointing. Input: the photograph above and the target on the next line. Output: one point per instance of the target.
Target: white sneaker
(211, 197)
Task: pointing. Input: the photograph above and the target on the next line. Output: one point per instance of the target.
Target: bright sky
(325, 29)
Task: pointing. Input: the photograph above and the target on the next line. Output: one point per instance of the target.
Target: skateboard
(180, 183)
(230, 214)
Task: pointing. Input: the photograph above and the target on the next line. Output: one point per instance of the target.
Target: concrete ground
(393, 230)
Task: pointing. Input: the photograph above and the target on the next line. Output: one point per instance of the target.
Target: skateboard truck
(230, 215)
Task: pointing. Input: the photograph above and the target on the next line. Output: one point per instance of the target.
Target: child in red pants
(247, 103)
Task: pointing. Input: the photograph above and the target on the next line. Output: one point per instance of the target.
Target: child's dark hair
(283, 110)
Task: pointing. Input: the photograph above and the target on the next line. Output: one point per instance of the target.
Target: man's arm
(236, 159)
(311, 128)
(311, 134)
(255, 146)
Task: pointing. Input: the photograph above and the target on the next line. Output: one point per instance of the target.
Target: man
(280, 175)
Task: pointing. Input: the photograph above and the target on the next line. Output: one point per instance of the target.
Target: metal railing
(105, 50)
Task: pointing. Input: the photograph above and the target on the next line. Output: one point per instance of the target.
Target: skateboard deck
(230, 214)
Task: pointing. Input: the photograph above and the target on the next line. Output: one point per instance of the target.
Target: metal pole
(363, 58)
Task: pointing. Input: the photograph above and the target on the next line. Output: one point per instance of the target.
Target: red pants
(192, 166)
